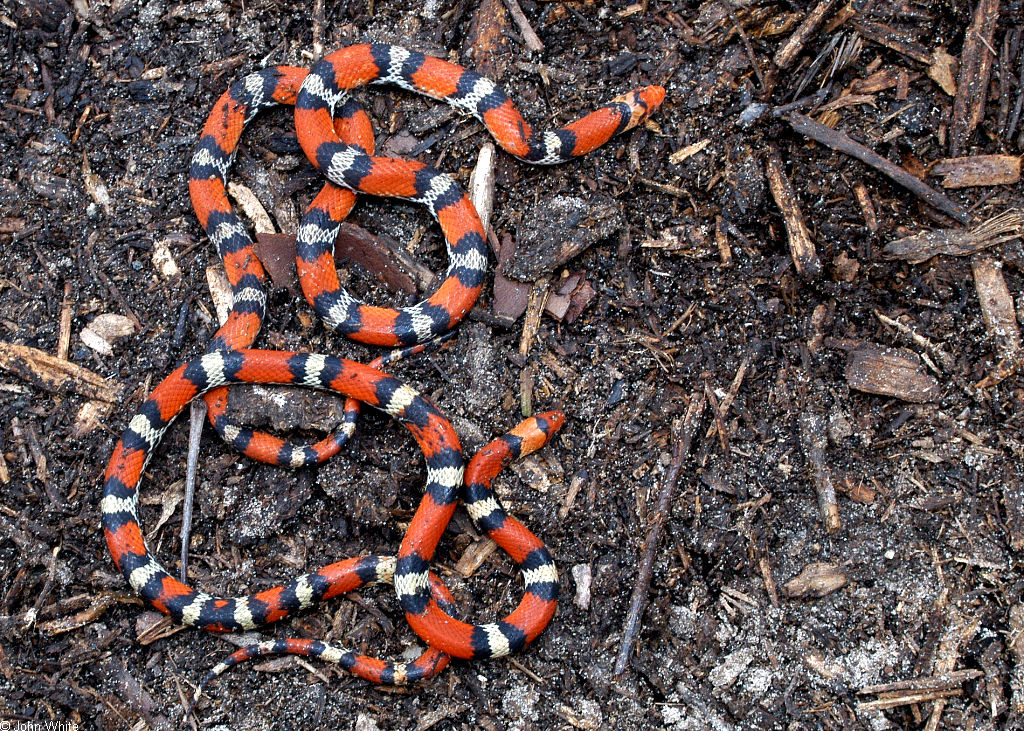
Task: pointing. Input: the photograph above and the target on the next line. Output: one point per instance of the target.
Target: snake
(336, 136)
(445, 468)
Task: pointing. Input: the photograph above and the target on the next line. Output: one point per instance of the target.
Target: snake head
(642, 103)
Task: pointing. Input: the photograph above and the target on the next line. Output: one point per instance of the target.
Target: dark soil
(925, 562)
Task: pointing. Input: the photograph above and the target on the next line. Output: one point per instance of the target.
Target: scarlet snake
(339, 148)
(445, 466)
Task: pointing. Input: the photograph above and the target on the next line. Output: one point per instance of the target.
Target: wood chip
(220, 291)
(535, 306)
(95, 187)
(816, 580)
(942, 70)
(791, 49)
(90, 417)
(867, 207)
(252, 207)
(996, 304)
(88, 615)
(163, 259)
(583, 578)
(689, 151)
(890, 372)
(1015, 642)
(801, 248)
(965, 172)
(510, 297)
(111, 326)
(975, 68)
(814, 437)
(481, 185)
(277, 254)
(153, 626)
(475, 555)
(921, 247)
(54, 374)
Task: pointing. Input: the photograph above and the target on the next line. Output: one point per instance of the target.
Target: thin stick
(842, 142)
(530, 37)
(195, 432)
(64, 334)
(631, 628)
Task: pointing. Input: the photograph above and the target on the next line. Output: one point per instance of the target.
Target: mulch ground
(781, 317)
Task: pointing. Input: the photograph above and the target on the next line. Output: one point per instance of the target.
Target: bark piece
(921, 247)
(996, 304)
(890, 372)
(277, 254)
(801, 248)
(487, 43)
(942, 70)
(55, 374)
(1016, 646)
(975, 68)
(965, 172)
(510, 297)
(557, 229)
(569, 297)
(891, 38)
(163, 259)
(475, 555)
(104, 330)
(815, 581)
(789, 51)
(252, 207)
(382, 256)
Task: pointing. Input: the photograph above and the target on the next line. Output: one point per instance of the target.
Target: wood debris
(801, 248)
(842, 142)
(942, 70)
(220, 291)
(251, 206)
(966, 172)
(815, 580)
(890, 372)
(475, 555)
(55, 374)
(1015, 642)
(996, 304)
(104, 330)
(814, 437)
(277, 254)
(976, 60)
(94, 611)
(569, 296)
(689, 151)
(583, 578)
(919, 248)
(794, 45)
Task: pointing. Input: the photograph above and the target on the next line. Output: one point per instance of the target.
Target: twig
(944, 358)
(812, 429)
(195, 432)
(801, 248)
(842, 142)
(64, 334)
(789, 51)
(631, 628)
(532, 40)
